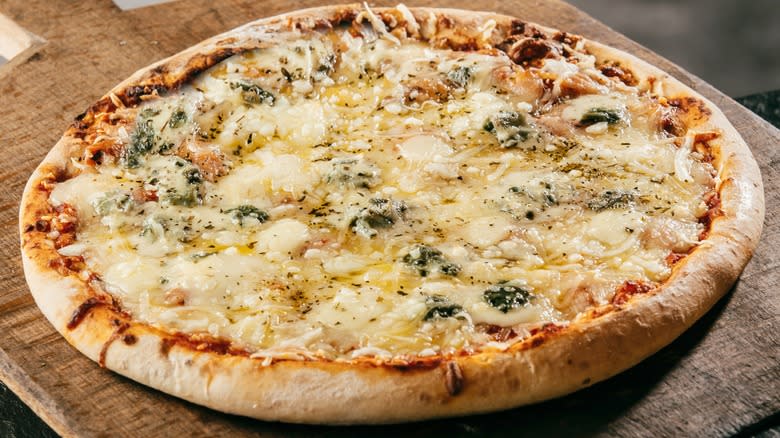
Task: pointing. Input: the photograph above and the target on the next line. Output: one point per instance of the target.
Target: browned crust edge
(555, 362)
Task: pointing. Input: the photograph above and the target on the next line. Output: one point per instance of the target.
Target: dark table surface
(17, 420)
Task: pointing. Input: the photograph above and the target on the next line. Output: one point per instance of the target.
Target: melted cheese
(353, 219)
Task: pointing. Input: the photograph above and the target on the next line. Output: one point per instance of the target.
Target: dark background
(732, 44)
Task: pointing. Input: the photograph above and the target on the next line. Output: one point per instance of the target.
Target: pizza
(355, 215)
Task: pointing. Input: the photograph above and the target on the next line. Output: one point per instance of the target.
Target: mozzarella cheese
(348, 198)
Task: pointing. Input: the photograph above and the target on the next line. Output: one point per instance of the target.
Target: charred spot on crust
(129, 339)
(104, 105)
(202, 62)
(705, 137)
(51, 176)
(453, 378)
(83, 310)
(671, 123)
(134, 93)
(388, 19)
(615, 70)
(219, 346)
(566, 38)
(685, 103)
(344, 16)
(322, 24)
(531, 50)
(444, 22)
(41, 226)
(517, 27)
(200, 342)
(67, 265)
(79, 124)
(464, 45)
(82, 125)
(693, 108)
(121, 327)
(165, 346)
(160, 69)
(679, 112)
(519, 30)
(702, 145)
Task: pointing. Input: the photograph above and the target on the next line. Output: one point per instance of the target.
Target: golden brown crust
(553, 361)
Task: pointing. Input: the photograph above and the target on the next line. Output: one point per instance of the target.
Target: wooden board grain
(720, 378)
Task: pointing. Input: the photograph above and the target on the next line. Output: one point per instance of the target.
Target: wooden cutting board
(720, 378)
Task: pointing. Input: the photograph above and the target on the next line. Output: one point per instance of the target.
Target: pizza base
(548, 364)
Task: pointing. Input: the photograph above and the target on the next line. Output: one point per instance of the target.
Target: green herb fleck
(113, 202)
(189, 198)
(426, 260)
(505, 297)
(142, 141)
(598, 115)
(165, 147)
(253, 94)
(242, 212)
(327, 63)
(154, 226)
(193, 176)
(460, 76)
(380, 213)
(178, 118)
(610, 199)
(509, 127)
(440, 307)
(148, 113)
(353, 173)
(197, 256)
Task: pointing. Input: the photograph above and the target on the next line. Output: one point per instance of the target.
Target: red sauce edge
(83, 310)
(630, 288)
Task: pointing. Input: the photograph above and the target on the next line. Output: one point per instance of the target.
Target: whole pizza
(355, 215)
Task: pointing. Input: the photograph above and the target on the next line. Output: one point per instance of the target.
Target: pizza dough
(346, 215)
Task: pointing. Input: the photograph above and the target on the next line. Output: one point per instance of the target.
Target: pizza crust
(546, 365)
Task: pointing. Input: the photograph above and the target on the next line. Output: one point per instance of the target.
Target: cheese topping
(341, 197)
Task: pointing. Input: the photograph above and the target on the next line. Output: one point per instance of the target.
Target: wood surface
(720, 378)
